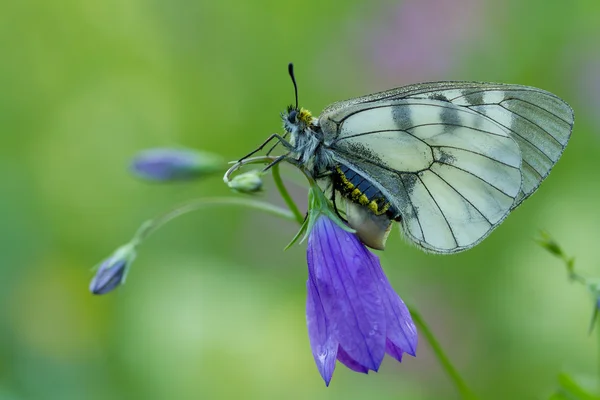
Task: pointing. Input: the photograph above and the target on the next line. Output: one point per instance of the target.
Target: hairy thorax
(310, 150)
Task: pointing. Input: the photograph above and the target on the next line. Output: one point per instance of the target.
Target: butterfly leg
(330, 174)
(275, 145)
(280, 139)
(276, 161)
(335, 207)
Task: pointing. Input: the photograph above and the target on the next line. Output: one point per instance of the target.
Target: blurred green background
(213, 308)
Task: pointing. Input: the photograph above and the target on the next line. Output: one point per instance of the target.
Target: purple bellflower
(165, 164)
(352, 312)
(112, 271)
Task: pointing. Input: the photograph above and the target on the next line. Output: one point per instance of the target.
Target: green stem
(598, 333)
(443, 359)
(285, 195)
(578, 278)
(151, 226)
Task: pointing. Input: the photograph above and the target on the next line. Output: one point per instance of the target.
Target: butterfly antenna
(291, 72)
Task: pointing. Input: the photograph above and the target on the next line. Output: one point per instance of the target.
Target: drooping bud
(165, 164)
(113, 270)
(248, 182)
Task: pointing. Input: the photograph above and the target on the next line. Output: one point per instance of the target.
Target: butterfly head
(296, 120)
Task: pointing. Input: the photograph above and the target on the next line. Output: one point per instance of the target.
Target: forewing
(537, 120)
(451, 173)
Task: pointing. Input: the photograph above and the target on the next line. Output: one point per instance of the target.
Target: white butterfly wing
(465, 193)
(537, 120)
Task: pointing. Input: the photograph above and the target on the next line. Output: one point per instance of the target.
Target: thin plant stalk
(285, 195)
(441, 356)
(149, 227)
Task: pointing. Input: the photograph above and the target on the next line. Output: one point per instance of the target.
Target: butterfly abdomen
(359, 190)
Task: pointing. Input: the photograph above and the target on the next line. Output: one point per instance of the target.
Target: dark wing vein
(439, 208)
(368, 161)
(378, 131)
(474, 152)
(478, 177)
(537, 106)
(413, 207)
(533, 123)
(393, 105)
(533, 169)
(512, 131)
(461, 195)
(458, 125)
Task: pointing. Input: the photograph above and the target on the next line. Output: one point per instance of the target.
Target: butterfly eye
(292, 116)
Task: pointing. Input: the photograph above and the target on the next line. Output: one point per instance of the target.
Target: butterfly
(447, 160)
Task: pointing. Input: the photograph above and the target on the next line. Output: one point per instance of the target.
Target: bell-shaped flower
(353, 314)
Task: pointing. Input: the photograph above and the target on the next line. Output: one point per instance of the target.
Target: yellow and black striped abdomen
(359, 190)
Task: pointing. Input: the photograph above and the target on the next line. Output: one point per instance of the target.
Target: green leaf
(573, 390)
(548, 243)
(301, 233)
(560, 395)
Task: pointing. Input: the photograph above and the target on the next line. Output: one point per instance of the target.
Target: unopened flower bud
(249, 182)
(164, 164)
(113, 270)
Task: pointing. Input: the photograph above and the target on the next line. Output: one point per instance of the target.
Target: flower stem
(285, 195)
(151, 226)
(443, 359)
(598, 333)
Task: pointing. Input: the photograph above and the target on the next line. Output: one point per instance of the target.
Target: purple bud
(113, 270)
(164, 164)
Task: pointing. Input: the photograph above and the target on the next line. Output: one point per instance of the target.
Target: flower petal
(393, 350)
(401, 330)
(339, 267)
(345, 359)
(109, 276)
(324, 347)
